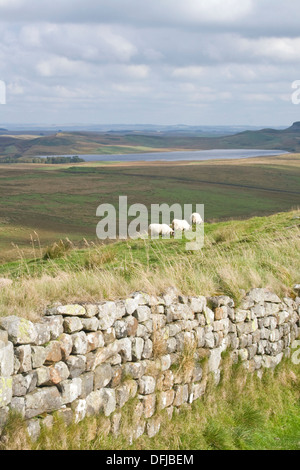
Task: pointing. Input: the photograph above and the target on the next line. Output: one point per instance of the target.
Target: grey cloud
(161, 61)
(167, 12)
(264, 17)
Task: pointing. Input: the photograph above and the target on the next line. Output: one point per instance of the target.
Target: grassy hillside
(243, 412)
(238, 255)
(58, 201)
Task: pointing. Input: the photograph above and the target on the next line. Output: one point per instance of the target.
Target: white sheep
(196, 219)
(160, 229)
(181, 225)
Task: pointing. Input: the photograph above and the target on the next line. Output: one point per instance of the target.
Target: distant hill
(16, 148)
(294, 128)
(267, 139)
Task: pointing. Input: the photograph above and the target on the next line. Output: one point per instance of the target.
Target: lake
(190, 155)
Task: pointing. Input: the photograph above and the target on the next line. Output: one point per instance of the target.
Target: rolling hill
(24, 147)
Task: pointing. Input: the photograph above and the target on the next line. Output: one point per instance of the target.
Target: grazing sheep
(182, 225)
(196, 219)
(160, 229)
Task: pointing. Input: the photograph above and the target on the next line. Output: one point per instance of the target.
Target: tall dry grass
(231, 266)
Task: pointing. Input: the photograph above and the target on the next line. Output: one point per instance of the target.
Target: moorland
(57, 201)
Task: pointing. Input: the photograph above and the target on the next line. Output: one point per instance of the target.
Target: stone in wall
(19, 330)
(81, 360)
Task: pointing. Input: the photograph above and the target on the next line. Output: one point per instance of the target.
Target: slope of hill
(258, 252)
(271, 139)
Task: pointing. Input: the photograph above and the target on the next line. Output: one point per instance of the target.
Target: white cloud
(137, 71)
(72, 93)
(59, 67)
(11, 4)
(91, 42)
(15, 89)
(190, 72)
(215, 11)
(130, 89)
(122, 49)
(30, 35)
(283, 49)
(257, 97)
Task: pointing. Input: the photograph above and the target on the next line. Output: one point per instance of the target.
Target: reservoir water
(191, 155)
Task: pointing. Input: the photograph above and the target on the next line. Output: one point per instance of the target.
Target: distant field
(58, 201)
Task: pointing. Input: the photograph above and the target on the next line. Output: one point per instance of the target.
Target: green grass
(242, 413)
(122, 150)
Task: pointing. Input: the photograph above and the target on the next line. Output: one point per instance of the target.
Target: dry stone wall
(82, 360)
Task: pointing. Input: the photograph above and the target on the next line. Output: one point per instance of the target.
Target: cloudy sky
(199, 62)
